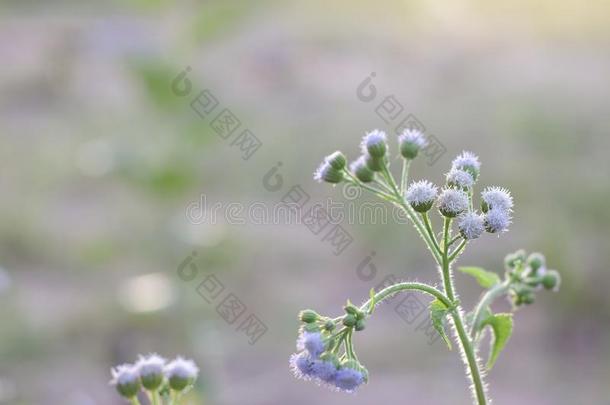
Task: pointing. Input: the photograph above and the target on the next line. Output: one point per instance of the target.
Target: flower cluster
(528, 274)
(155, 376)
(326, 355)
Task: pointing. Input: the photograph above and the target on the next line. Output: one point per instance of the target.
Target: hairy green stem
(405, 176)
(396, 288)
(464, 339)
(430, 232)
(134, 401)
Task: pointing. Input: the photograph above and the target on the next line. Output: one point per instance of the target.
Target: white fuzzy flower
(374, 143)
(459, 178)
(496, 198)
(181, 373)
(421, 195)
(411, 141)
(452, 202)
(497, 220)
(471, 225)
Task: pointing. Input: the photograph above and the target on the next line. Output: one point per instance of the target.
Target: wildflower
(126, 380)
(496, 197)
(361, 170)
(468, 162)
(326, 172)
(421, 195)
(374, 144)
(497, 221)
(181, 373)
(411, 141)
(452, 202)
(308, 316)
(325, 368)
(350, 376)
(536, 261)
(337, 160)
(312, 342)
(471, 225)
(459, 178)
(301, 365)
(150, 369)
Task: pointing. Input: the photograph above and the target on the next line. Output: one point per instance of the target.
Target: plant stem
(430, 232)
(134, 401)
(464, 340)
(405, 176)
(396, 288)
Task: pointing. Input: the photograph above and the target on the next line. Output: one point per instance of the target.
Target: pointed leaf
(502, 327)
(438, 315)
(486, 279)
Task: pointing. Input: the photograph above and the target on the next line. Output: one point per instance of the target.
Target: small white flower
(126, 380)
(181, 373)
(466, 160)
(452, 202)
(497, 220)
(374, 143)
(471, 225)
(459, 178)
(421, 195)
(496, 198)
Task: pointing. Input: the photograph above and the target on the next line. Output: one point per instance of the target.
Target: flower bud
(126, 380)
(374, 144)
(329, 326)
(181, 373)
(536, 261)
(411, 141)
(349, 320)
(328, 174)
(361, 170)
(421, 195)
(452, 202)
(360, 325)
(551, 280)
(150, 369)
(337, 160)
(308, 316)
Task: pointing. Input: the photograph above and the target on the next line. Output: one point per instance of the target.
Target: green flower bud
(360, 324)
(329, 326)
(310, 327)
(362, 171)
(308, 316)
(181, 374)
(150, 369)
(349, 320)
(536, 261)
(351, 308)
(551, 280)
(336, 160)
(374, 144)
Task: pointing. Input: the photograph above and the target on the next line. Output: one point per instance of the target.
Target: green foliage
(486, 279)
(502, 327)
(438, 314)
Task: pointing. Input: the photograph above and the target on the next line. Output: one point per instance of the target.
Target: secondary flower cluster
(154, 374)
(319, 355)
(528, 274)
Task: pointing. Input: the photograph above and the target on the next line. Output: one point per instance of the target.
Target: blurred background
(105, 241)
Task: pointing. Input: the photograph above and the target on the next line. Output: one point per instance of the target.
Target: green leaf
(438, 314)
(485, 278)
(502, 327)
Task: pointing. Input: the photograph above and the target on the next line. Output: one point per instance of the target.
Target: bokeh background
(100, 158)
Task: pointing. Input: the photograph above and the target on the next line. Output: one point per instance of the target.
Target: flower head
(496, 198)
(471, 225)
(325, 369)
(459, 178)
(181, 373)
(497, 220)
(126, 380)
(411, 141)
(350, 376)
(421, 195)
(452, 202)
(361, 170)
(375, 144)
(301, 365)
(312, 342)
(337, 160)
(150, 368)
(326, 172)
(468, 162)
